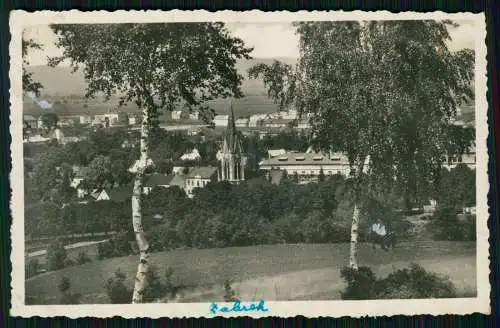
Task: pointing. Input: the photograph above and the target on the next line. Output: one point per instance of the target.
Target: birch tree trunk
(143, 267)
(353, 255)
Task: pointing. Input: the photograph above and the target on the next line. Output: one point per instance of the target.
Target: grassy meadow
(272, 272)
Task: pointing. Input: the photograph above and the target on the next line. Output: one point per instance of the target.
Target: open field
(274, 272)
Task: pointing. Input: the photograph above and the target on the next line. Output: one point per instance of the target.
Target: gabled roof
(205, 172)
(120, 194)
(178, 180)
(157, 179)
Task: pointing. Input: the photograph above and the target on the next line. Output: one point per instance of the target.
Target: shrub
(31, 268)
(360, 283)
(117, 292)
(56, 256)
(82, 258)
(155, 289)
(67, 297)
(446, 225)
(414, 283)
(118, 245)
(229, 294)
(402, 284)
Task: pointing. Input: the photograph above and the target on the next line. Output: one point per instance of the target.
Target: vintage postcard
(197, 164)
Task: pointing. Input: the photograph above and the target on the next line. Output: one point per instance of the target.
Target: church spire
(231, 124)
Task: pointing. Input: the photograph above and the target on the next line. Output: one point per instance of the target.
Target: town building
(271, 153)
(30, 121)
(292, 114)
(176, 114)
(156, 180)
(277, 123)
(193, 155)
(468, 158)
(242, 122)
(232, 158)
(307, 166)
(221, 120)
(199, 177)
(195, 116)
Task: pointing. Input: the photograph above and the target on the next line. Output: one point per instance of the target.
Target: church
(231, 155)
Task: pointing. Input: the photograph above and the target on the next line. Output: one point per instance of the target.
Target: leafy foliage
(31, 268)
(29, 84)
(57, 256)
(229, 293)
(406, 283)
(446, 224)
(117, 291)
(192, 62)
(67, 296)
(383, 89)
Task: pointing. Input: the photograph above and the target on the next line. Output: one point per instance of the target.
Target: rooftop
(205, 172)
(306, 159)
(157, 179)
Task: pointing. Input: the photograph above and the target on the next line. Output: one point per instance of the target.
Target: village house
(221, 120)
(277, 123)
(156, 180)
(30, 121)
(469, 159)
(308, 165)
(199, 177)
(272, 153)
(193, 155)
(256, 120)
(195, 116)
(118, 194)
(242, 122)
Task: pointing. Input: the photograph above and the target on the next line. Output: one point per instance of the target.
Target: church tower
(232, 157)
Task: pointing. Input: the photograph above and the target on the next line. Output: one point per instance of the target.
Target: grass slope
(271, 271)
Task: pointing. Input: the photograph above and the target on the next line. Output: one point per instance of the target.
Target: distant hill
(61, 82)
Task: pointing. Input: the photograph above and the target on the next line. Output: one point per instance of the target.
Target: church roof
(232, 141)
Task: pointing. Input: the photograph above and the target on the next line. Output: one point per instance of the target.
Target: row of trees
(316, 212)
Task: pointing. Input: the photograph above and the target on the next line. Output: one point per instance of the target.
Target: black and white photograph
(248, 163)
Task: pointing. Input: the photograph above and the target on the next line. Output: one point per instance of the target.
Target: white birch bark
(143, 267)
(353, 253)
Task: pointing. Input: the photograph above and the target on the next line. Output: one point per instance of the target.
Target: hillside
(60, 82)
(274, 272)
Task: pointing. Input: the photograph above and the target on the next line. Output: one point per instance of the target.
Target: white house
(195, 116)
(85, 119)
(308, 166)
(242, 122)
(469, 159)
(292, 114)
(277, 123)
(256, 120)
(176, 115)
(303, 125)
(191, 156)
(221, 120)
(271, 153)
(132, 120)
(199, 177)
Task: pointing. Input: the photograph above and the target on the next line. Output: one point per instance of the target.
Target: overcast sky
(270, 40)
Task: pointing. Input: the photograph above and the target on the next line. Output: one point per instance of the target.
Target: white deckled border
(20, 19)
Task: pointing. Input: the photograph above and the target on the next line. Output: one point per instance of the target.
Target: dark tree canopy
(29, 84)
(383, 89)
(156, 66)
